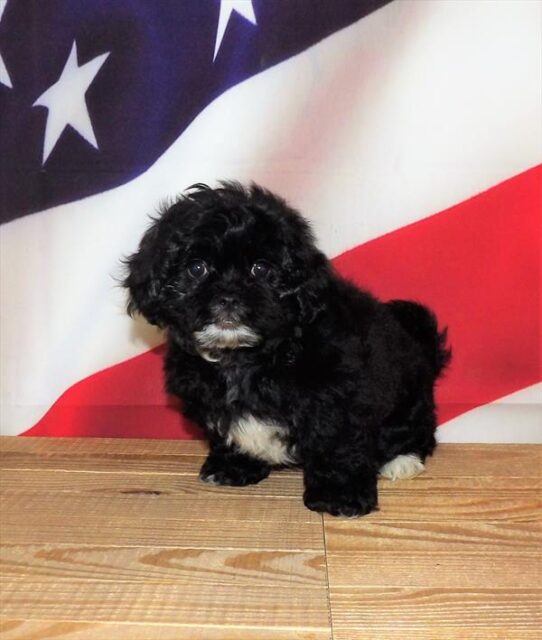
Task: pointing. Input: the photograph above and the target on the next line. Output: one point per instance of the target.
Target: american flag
(408, 131)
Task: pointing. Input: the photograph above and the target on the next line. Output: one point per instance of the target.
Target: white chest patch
(261, 440)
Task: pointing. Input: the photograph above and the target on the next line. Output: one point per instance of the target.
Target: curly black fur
(279, 359)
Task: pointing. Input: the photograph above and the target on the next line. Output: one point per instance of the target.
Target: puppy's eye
(197, 269)
(260, 269)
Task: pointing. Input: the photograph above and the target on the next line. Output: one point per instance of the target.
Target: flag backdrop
(408, 132)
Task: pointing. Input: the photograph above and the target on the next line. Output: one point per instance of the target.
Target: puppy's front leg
(340, 481)
(226, 466)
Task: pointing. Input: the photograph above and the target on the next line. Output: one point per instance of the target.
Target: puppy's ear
(309, 270)
(144, 281)
(311, 292)
(150, 267)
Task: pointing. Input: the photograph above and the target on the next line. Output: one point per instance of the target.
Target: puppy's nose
(228, 302)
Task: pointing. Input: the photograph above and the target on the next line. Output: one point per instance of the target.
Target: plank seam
(328, 592)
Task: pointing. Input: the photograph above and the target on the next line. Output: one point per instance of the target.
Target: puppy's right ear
(146, 276)
(151, 267)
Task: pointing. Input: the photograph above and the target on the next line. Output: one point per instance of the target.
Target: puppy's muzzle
(226, 330)
(226, 335)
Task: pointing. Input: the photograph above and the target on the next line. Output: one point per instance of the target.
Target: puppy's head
(227, 268)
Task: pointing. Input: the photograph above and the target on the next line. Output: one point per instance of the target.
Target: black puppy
(280, 360)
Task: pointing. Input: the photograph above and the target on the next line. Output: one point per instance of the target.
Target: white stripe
(514, 418)
(4, 75)
(415, 108)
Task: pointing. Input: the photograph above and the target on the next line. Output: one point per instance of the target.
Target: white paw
(403, 467)
(210, 479)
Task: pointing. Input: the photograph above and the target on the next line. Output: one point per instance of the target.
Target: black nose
(228, 302)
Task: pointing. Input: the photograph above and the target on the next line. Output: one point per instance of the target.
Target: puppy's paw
(233, 473)
(231, 477)
(346, 502)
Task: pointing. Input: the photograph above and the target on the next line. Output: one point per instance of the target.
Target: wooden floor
(116, 539)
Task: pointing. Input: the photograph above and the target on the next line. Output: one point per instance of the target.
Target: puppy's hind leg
(403, 467)
(405, 444)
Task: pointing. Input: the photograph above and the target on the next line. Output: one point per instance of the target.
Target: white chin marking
(214, 337)
(208, 355)
(403, 467)
(261, 440)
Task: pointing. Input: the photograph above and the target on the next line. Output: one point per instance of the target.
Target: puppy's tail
(422, 325)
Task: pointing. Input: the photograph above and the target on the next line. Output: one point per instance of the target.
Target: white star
(4, 75)
(66, 103)
(227, 7)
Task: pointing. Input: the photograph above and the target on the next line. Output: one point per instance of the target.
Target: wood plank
(96, 459)
(164, 565)
(478, 485)
(376, 609)
(171, 603)
(430, 556)
(148, 520)
(494, 460)
(437, 633)
(101, 446)
(199, 505)
(13, 629)
(44, 481)
(427, 569)
(99, 454)
(398, 507)
(127, 465)
(440, 537)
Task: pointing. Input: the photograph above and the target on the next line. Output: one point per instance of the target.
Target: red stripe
(126, 400)
(476, 264)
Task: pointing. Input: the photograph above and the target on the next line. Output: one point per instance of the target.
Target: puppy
(279, 359)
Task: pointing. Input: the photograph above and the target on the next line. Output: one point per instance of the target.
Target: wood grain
(428, 569)
(164, 565)
(490, 460)
(439, 506)
(27, 481)
(175, 603)
(111, 455)
(147, 520)
(99, 447)
(13, 629)
(437, 537)
(404, 607)
(435, 632)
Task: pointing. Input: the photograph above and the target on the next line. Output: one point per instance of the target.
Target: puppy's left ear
(311, 293)
(308, 268)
